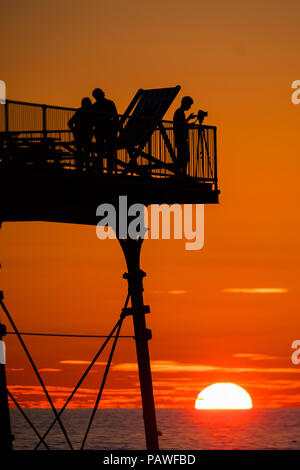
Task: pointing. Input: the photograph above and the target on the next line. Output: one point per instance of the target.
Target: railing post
(215, 159)
(6, 117)
(44, 112)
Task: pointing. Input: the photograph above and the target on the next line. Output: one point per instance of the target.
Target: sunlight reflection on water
(180, 428)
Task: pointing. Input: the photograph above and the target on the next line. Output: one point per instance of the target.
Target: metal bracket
(130, 311)
(148, 335)
(138, 274)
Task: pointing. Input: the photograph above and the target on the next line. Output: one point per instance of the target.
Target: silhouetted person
(81, 124)
(105, 128)
(181, 133)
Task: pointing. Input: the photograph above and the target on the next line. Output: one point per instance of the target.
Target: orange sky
(237, 60)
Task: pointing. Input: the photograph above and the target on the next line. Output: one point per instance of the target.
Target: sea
(179, 429)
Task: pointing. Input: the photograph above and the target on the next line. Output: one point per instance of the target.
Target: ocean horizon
(179, 429)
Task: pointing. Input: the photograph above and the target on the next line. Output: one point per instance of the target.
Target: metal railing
(42, 131)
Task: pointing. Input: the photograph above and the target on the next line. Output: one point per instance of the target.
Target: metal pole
(215, 160)
(5, 428)
(131, 249)
(6, 116)
(44, 120)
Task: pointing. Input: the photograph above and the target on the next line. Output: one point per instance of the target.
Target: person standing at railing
(105, 129)
(181, 134)
(81, 124)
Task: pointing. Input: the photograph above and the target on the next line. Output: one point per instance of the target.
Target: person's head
(86, 103)
(98, 94)
(186, 102)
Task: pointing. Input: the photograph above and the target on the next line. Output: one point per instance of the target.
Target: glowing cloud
(76, 362)
(256, 290)
(173, 366)
(256, 357)
(177, 292)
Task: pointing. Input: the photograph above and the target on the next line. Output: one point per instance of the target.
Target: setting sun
(223, 396)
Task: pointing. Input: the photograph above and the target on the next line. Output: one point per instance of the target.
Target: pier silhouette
(48, 172)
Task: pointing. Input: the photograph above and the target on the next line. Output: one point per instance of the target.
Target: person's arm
(115, 118)
(191, 116)
(71, 121)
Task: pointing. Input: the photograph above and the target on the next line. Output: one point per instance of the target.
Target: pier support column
(5, 428)
(132, 250)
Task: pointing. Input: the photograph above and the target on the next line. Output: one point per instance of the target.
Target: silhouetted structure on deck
(38, 153)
